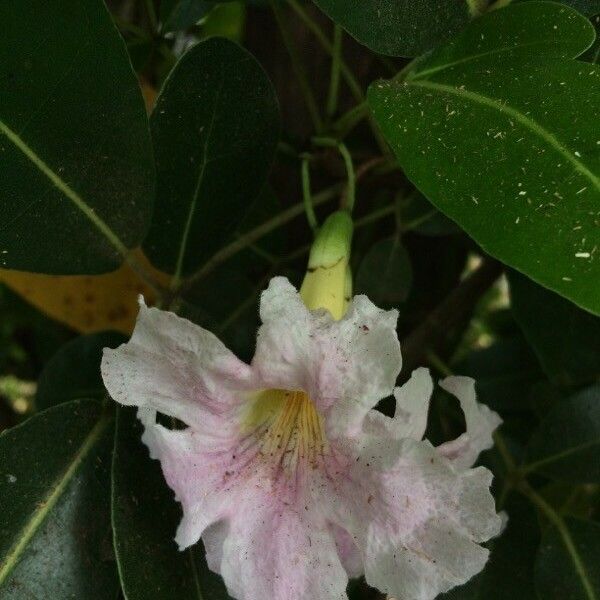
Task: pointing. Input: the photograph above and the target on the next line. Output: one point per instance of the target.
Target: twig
(255, 234)
(347, 74)
(350, 194)
(334, 81)
(298, 67)
(309, 209)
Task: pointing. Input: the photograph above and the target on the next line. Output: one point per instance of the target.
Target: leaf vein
(526, 121)
(45, 507)
(64, 188)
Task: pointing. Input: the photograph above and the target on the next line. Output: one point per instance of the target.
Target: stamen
(288, 428)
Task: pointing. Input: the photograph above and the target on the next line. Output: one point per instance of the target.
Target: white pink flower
(292, 479)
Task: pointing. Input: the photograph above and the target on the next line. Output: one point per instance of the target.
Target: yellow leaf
(149, 93)
(88, 303)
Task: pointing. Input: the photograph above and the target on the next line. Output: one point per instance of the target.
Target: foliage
(474, 169)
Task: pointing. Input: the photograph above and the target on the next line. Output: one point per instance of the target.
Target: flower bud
(328, 281)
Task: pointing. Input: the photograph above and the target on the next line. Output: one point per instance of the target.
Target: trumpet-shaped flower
(285, 470)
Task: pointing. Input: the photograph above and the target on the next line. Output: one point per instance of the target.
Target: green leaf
(75, 154)
(398, 27)
(568, 562)
(74, 371)
(421, 217)
(509, 570)
(145, 517)
(215, 128)
(505, 143)
(566, 445)
(593, 53)
(520, 31)
(385, 273)
(565, 338)
(269, 247)
(55, 539)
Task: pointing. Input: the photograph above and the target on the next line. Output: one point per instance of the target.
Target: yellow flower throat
(286, 423)
(289, 428)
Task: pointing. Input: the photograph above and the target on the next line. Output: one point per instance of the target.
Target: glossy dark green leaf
(398, 27)
(593, 53)
(532, 29)
(505, 373)
(422, 217)
(74, 371)
(568, 562)
(145, 517)
(75, 154)
(566, 445)
(509, 572)
(270, 247)
(55, 537)
(565, 338)
(215, 126)
(385, 273)
(505, 142)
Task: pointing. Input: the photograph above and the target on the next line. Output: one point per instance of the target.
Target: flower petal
(362, 360)
(283, 346)
(412, 405)
(417, 520)
(347, 365)
(348, 551)
(481, 423)
(281, 553)
(195, 469)
(176, 368)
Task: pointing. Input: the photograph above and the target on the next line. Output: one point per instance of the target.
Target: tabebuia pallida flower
(292, 479)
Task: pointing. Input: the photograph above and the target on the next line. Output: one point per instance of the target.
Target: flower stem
(351, 119)
(297, 66)
(151, 12)
(350, 195)
(346, 73)
(297, 253)
(435, 361)
(334, 81)
(244, 240)
(306, 196)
